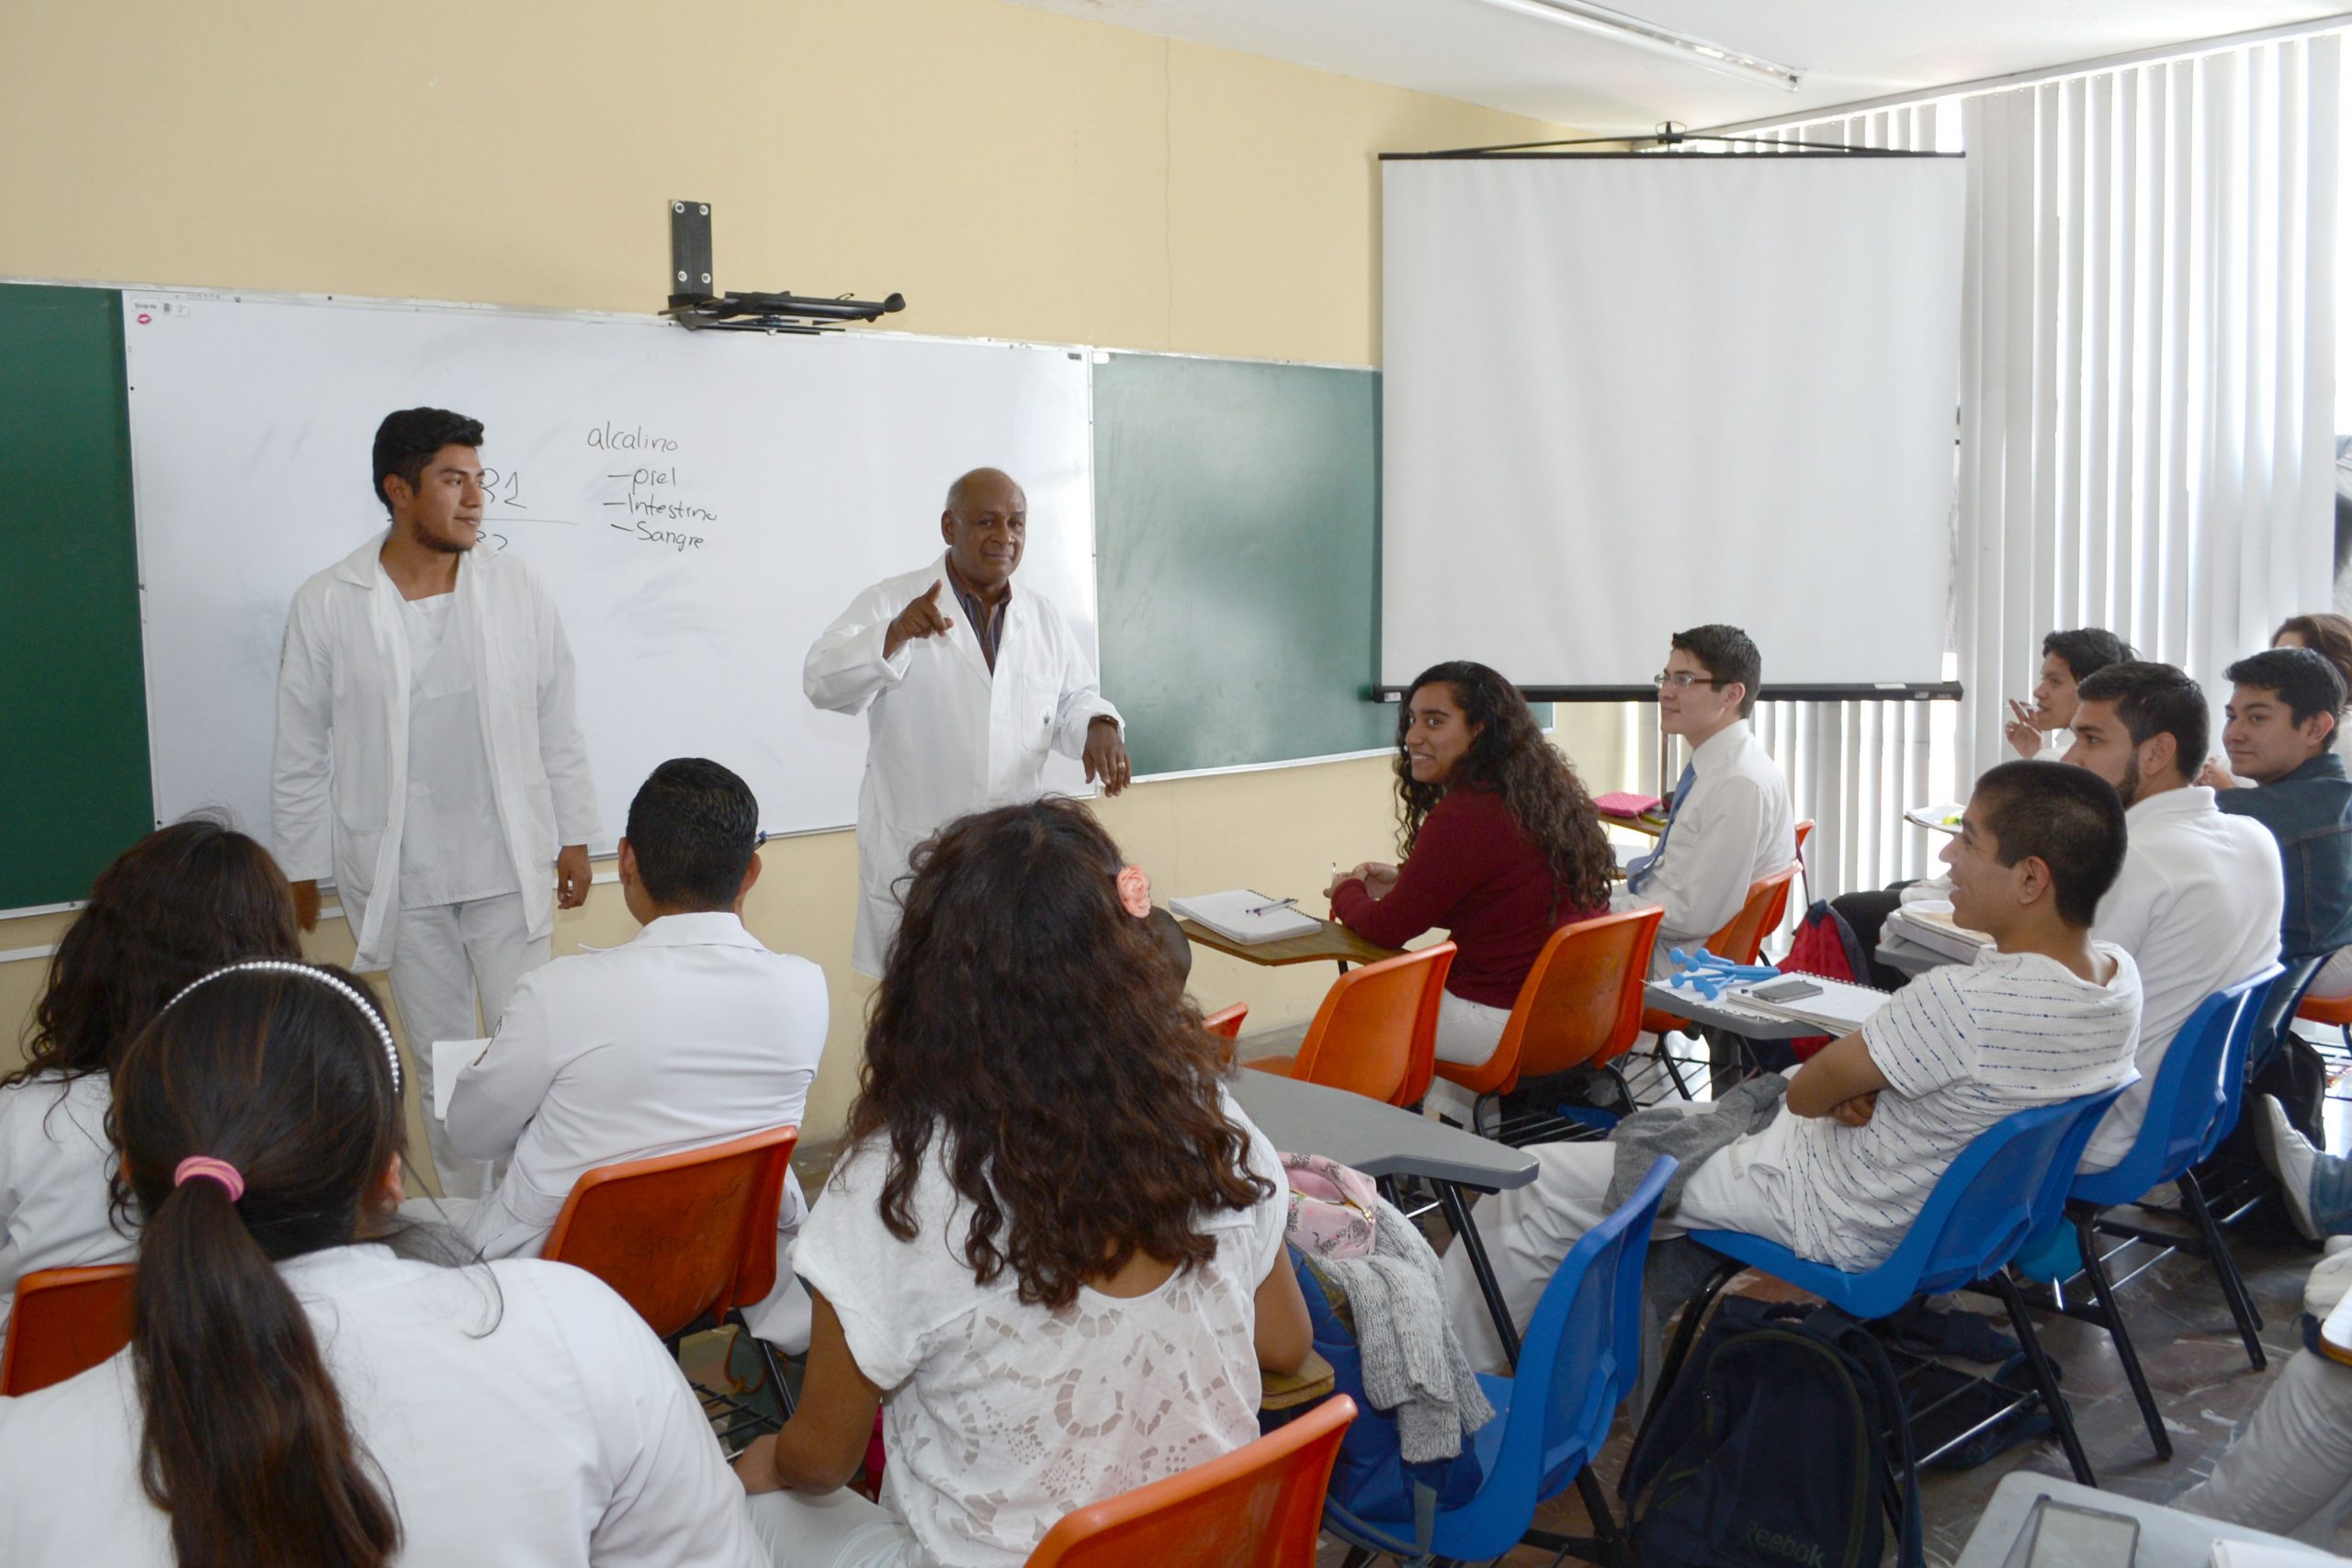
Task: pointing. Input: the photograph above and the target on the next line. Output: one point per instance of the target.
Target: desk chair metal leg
(770, 1360)
(2045, 1377)
(1465, 1236)
(2242, 1308)
(1615, 1550)
(2111, 1318)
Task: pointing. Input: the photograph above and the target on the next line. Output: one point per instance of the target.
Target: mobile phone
(1785, 990)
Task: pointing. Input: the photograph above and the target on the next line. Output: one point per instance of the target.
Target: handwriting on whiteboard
(652, 498)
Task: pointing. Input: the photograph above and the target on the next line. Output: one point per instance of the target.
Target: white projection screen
(1628, 394)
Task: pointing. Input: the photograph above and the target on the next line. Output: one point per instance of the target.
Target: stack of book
(1930, 925)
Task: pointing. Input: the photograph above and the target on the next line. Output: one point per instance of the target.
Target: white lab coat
(689, 1035)
(518, 1413)
(945, 737)
(339, 777)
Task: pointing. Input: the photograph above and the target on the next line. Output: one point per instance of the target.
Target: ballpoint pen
(1269, 908)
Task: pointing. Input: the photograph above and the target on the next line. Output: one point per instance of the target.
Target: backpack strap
(1903, 1490)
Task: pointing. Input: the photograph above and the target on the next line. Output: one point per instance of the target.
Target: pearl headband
(282, 967)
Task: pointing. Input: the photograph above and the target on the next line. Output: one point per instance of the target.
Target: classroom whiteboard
(701, 504)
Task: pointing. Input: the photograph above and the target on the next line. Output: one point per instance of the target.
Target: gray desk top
(2168, 1538)
(1753, 1022)
(1379, 1140)
(1909, 956)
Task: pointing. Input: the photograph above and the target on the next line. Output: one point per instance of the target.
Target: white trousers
(1467, 1032)
(2290, 1471)
(446, 958)
(1529, 1230)
(837, 1529)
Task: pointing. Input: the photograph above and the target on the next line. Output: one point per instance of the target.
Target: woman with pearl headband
(298, 1391)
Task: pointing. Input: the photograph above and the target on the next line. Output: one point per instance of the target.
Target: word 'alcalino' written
(607, 437)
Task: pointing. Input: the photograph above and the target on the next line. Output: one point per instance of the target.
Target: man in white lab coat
(691, 1034)
(967, 687)
(428, 754)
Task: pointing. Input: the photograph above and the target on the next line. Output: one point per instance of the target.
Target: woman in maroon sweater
(1501, 846)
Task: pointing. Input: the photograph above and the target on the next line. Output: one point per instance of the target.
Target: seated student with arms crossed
(1877, 1116)
(180, 902)
(2282, 717)
(298, 1392)
(690, 1034)
(1053, 1251)
(1502, 848)
(2198, 902)
(1730, 824)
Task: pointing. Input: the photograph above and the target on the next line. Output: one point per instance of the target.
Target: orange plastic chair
(1376, 1034)
(1743, 938)
(2335, 1013)
(1259, 1506)
(66, 1321)
(1227, 1021)
(689, 1239)
(1582, 1002)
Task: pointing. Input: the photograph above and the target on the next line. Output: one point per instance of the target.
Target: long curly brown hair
(179, 903)
(1509, 756)
(1033, 1027)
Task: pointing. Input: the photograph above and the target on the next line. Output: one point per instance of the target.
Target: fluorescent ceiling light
(1603, 22)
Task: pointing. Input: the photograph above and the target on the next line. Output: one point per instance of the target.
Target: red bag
(1825, 945)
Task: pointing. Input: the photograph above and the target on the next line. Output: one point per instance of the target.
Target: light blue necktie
(1639, 869)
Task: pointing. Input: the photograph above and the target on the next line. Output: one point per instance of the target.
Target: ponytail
(247, 1446)
(254, 1116)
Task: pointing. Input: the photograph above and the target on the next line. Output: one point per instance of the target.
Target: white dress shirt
(54, 1161)
(946, 735)
(2197, 906)
(690, 1034)
(532, 1423)
(452, 850)
(1734, 827)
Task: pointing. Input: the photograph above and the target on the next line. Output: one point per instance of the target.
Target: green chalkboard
(1236, 536)
(73, 702)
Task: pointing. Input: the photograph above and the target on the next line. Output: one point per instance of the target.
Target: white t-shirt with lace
(999, 1417)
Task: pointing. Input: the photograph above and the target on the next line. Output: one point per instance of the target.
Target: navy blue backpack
(1767, 1452)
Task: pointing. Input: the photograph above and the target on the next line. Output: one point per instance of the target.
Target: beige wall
(1016, 174)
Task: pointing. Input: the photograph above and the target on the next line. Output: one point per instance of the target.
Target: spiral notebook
(1246, 916)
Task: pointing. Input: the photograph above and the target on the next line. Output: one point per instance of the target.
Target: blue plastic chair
(1582, 1355)
(2006, 1188)
(2192, 1106)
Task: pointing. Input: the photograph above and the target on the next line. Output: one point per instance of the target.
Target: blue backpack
(1767, 1453)
(1371, 1478)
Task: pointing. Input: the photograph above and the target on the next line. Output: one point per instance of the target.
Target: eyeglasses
(1683, 680)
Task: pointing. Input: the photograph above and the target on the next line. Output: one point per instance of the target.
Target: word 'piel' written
(651, 500)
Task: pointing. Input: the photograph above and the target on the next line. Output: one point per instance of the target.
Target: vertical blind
(2145, 408)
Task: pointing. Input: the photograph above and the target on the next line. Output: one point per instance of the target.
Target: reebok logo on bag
(1767, 1452)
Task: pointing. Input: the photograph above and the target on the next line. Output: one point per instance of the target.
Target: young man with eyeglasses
(692, 1033)
(1730, 822)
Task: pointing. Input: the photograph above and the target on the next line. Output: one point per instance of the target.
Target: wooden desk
(1309, 1383)
(1333, 944)
(1650, 826)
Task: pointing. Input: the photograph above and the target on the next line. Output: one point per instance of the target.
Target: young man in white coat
(967, 687)
(690, 1034)
(429, 755)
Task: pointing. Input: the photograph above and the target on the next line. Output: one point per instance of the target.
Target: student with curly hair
(1502, 844)
(1052, 1253)
(183, 900)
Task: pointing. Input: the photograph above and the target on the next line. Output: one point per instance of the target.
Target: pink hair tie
(206, 1167)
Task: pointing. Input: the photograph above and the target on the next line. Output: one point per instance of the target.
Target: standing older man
(964, 695)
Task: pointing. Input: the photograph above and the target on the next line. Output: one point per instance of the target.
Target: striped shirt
(1961, 1047)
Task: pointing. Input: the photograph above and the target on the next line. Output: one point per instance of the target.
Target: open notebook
(1245, 916)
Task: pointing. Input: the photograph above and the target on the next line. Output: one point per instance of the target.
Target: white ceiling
(1845, 49)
